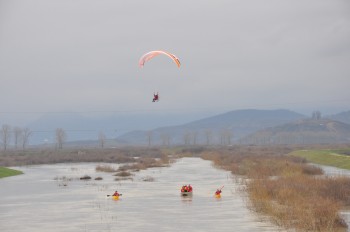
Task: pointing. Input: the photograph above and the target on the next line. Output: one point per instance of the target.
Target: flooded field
(42, 200)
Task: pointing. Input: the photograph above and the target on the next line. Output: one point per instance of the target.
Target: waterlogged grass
(6, 172)
(335, 158)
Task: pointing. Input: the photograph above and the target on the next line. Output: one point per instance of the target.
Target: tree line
(18, 137)
(192, 137)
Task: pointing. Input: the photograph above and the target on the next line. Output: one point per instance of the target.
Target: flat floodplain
(335, 158)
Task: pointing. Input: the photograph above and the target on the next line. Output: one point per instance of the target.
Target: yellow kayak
(115, 197)
(217, 195)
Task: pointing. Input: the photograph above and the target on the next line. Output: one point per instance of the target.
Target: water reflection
(186, 199)
(41, 203)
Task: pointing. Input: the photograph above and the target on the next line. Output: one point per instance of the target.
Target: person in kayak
(218, 192)
(116, 194)
(186, 188)
(189, 188)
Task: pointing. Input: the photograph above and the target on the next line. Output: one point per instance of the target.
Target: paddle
(112, 195)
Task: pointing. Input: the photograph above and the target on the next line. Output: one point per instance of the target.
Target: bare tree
(17, 132)
(229, 136)
(208, 136)
(187, 138)
(26, 133)
(316, 115)
(149, 135)
(165, 139)
(60, 137)
(194, 137)
(102, 139)
(5, 135)
(222, 137)
(225, 137)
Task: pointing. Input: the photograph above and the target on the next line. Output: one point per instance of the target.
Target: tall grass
(294, 194)
(302, 202)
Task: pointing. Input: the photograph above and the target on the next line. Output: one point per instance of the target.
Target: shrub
(105, 168)
(148, 179)
(85, 177)
(123, 174)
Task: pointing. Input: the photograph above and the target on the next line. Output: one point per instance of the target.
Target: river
(40, 200)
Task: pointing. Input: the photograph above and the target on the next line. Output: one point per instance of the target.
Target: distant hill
(80, 128)
(245, 126)
(341, 117)
(305, 131)
(223, 128)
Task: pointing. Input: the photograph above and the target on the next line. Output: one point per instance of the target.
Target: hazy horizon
(82, 56)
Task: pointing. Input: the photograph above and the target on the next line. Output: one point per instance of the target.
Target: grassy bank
(6, 172)
(294, 194)
(335, 158)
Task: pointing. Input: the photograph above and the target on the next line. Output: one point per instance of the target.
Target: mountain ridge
(237, 122)
(304, 131)
(140, 129)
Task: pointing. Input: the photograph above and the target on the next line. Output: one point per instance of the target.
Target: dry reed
(293, 193)
(105, 168)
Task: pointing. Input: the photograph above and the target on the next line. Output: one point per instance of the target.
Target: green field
(335, 158)
(5, 172)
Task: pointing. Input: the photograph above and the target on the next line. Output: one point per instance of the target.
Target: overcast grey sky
(82, 55)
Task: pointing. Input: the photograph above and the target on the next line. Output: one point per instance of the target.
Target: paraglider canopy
(146, 57)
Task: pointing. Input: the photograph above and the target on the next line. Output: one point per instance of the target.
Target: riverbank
(335, 158)
(292, 193)
(6, 172)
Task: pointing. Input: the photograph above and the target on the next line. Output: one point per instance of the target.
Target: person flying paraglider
(155, 97)
(150, 55)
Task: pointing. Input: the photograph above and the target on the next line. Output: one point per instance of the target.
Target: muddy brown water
(37, 201)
